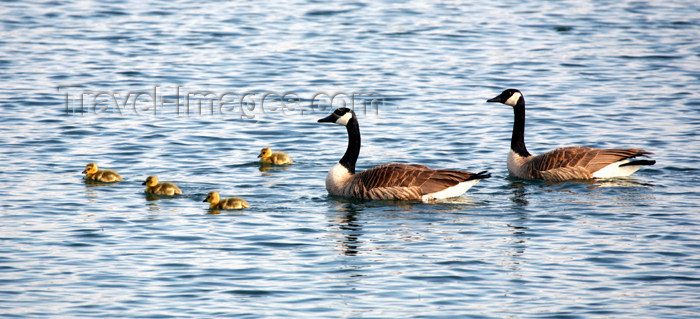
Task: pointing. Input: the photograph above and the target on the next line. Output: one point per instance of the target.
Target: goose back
(93, 173)
(164, 188)
(575, 162)
(231, 203)
(104, 175)
(279, 158)
(403, 182)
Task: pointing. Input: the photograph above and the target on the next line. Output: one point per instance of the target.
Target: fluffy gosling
(276, 158)
(215, 202)
(92, 173)
(164, 188)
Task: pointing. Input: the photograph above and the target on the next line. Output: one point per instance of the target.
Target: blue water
(79, 83)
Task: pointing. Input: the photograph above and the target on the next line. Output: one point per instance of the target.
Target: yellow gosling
(164, 188)
(215, 202)
(276, 158)
(92, 173)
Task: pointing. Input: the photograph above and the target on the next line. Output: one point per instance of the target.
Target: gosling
(164, 188)
(276, 158)
(92, 173)
(215, 202)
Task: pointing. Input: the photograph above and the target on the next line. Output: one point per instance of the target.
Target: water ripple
(610, 75)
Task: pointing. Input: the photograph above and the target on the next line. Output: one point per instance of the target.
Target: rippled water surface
(121, 84)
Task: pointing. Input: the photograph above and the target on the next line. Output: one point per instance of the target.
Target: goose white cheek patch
(513, 99)
(343, 120)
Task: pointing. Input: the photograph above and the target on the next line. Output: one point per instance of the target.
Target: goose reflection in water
(346, 220)
(519, 192)
(266, 167)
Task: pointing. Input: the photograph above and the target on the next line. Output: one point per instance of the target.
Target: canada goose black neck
(353, 151)
(515, 99)
(517, 140)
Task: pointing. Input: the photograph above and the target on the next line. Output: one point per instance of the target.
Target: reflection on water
(507, 248)
(584, 192)
(623, 191)
(516, 227)
(267, 167)
(226, 211)
(89, 191)
(519, 192)
(92, 183)
(213, 212)
(347, 222)
(151, 197)
(607, 182)
(517, 244)
(152, 207)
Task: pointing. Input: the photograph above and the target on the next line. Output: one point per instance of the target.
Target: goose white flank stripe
(449, 192)
(390, 181)
(566, 163)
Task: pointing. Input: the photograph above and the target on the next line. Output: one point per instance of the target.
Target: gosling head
(212, 197)
(90, 168)
(508, 97)
(265, 152)
(151, 181)
(340, 116)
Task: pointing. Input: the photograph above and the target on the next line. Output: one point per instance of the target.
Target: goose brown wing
(422, 178)
(605, 157)
(577, 162)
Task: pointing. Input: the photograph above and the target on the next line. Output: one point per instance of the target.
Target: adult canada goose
(92, 173)
(164, 188)
(276, 158)
(215, 202)
(567, 163)
(390, 181)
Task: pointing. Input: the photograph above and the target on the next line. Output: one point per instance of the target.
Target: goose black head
(340, 116)
(508, 97)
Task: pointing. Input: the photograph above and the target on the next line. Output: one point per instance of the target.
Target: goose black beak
(259, 155)
(85, 172)
(204, 201)
(144, 183)
(330, 118)
(496, 99)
